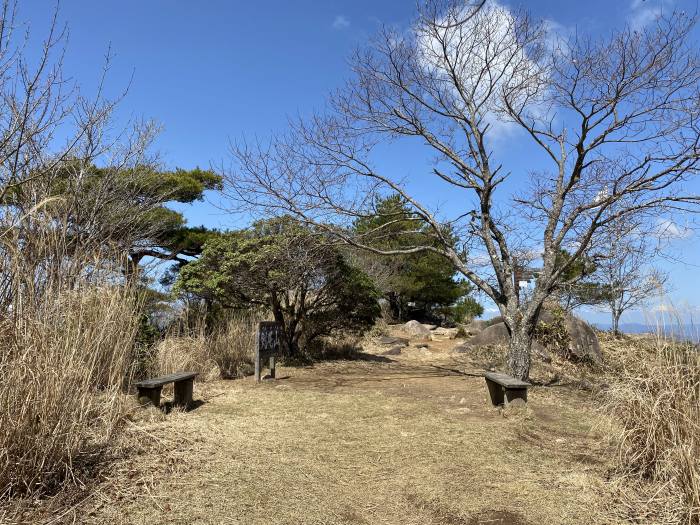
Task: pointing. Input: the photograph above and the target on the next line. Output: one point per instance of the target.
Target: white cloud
(341, 22)
(487, 45)
(645, 12)
(557, 36)
(667, 230)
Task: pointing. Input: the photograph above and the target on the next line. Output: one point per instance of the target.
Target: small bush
(554, 335)
(332, 349)
(462, 332)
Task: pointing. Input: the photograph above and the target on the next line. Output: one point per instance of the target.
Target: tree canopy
(422, 284)
(614, 118)
(127, 207)
(283, 266)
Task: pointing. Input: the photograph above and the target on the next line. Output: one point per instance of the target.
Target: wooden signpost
(267, 346)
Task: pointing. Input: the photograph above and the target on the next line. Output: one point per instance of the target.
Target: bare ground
(407, 439)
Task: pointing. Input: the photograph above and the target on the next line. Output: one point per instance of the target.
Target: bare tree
(56, 222)
(625, 272)
(615, 118)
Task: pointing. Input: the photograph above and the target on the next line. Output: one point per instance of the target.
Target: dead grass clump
(334, 349)
(232, 345)
(62, 370)
(655, 397)
(224, 350)
(186, 353)
(380, 328)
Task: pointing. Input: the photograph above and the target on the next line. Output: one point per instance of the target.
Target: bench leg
(183, 392)
(149, 396)
(517, 395)
(495, 391)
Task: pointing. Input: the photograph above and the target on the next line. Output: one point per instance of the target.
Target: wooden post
(495, 392)
(516, 396)
(257, 355)
(272, 366)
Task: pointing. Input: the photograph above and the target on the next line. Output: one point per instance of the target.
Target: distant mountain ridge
(683, 332)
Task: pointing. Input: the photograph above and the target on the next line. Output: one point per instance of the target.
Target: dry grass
(655, 396)
(62, 371)
(401, 441)
(409, 439)
(231, 345)
(225, 351)
(190, 353)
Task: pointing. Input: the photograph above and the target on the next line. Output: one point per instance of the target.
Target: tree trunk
(616, 323)
(519, 353)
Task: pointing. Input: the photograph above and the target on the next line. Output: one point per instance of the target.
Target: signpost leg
(257, 356)
(272, 366)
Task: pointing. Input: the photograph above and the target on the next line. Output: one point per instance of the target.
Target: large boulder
(476, 326)
(584, 343)
(491, 335)
(417, 330)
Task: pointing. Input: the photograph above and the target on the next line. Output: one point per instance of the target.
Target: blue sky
(211, 71)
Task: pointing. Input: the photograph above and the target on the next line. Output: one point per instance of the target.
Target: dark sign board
(267, 346)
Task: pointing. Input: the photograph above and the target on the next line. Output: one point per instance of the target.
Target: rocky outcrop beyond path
(584, 343)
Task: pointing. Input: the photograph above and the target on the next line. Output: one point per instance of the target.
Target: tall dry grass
(62, 367)
(223, 350)
(232, 345)
(68, 320)
(655, 398)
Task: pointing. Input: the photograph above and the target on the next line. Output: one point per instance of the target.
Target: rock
(585, 384)
(388, 340)
(461, 349)
(584, 341)
(416, 329)
(493, 335)
(584, 344)
(476, 326)
(422, 345)
(393, 351)
(449, 333)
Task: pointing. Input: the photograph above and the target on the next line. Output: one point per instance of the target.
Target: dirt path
(409, 439)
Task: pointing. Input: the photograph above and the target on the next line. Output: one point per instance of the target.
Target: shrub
(554, 335)
(280, 264)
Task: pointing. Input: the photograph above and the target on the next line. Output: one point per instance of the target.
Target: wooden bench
(505, 389)
(149, 390)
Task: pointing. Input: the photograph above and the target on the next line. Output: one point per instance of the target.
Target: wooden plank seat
(505, 389)
(149, 390)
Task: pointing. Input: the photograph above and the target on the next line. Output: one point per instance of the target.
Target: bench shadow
(168, 406)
